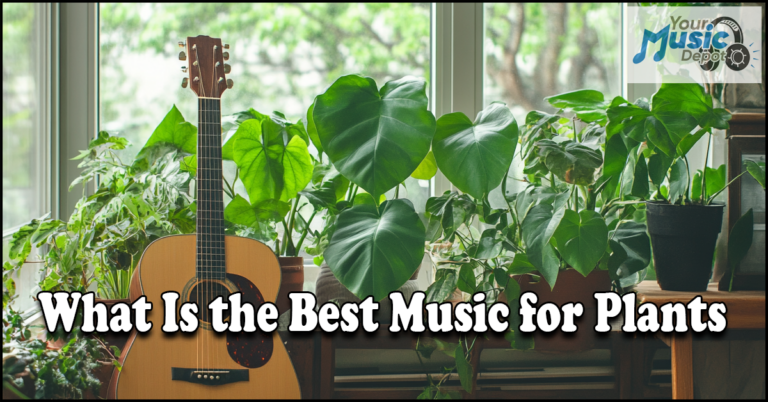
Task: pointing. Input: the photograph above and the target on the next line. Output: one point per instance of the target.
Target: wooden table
(745, 310)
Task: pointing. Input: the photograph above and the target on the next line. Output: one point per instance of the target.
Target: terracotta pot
(570, 287)
(292, 269)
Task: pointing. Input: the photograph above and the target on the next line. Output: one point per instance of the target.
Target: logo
(709, 48)
(719, 42)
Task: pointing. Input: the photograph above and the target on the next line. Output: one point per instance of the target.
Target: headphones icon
(736, 55)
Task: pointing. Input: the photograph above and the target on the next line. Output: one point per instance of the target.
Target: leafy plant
(63, 373)
(659, 136)
(106, 234)
(374, 139)
(461, 352)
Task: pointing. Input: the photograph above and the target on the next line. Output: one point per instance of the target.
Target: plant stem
(687, 194)
(551, 179)
(291, 222)
(461, 239)
(586, 197)
(704, 171)
(306, 230)
(349, 192)
(504, 189)
(712, 198)
(354, 193)
(575, 135)
(397, 191)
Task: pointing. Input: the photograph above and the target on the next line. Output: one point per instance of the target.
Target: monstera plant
(375, 138)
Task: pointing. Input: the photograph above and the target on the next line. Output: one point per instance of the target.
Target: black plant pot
(683, 240)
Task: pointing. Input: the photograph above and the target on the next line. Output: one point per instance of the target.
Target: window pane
(282, 55)
(535, 50)
(25, 136)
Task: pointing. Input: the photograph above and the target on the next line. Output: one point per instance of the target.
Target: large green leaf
(715, 180)
(376, 138)
(588, 105)
(475, 156)
(240, 212)
(581, 239)
(45, 230)
(690, 99)
(312, 129)
(426, 169)
(175, 131)
(678, 180)
(444, 284)
(21, 245)
(757, 171)
(489, 245)
(631, 249)
(634, 179)
(467, 282)
(374, 252)
(538, 228)
(658, 166)
(570, 161)
(228, 149)
(270, 167)
(520, 265)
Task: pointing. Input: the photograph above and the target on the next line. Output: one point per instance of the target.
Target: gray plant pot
(328, 288)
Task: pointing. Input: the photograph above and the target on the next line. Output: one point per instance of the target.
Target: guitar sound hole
(203, 293)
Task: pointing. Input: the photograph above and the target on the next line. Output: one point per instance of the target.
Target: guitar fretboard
(210, 197)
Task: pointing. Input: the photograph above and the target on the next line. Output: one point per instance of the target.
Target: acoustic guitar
(201, 267)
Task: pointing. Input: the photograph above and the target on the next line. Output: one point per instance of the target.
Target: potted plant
(563, 225)
(273, 163)
(99, 247)
(683, 221)
(33, 370)
(373, 140)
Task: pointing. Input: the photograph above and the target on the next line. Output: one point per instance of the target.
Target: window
(535, 50)
(26, 135)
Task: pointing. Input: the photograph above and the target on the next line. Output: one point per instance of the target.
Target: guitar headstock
(205, 58)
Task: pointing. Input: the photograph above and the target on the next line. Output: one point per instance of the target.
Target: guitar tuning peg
(182, 44)
(183, 69)
(184, 82)
(226, 55)
(230, 83)
(182, 56)
(227, 68)
(226, 46)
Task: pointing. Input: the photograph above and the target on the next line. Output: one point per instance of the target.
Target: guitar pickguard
(249, 349)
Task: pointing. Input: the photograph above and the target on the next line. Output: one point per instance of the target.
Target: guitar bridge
(208, 376)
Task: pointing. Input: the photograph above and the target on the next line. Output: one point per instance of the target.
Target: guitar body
(257, 364)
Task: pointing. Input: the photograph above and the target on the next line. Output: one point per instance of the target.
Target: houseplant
(100, 245)
(554, 223)
(31, 369)
(374, 139)
(683, 221)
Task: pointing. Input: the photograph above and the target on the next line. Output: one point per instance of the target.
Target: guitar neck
(210, 196)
